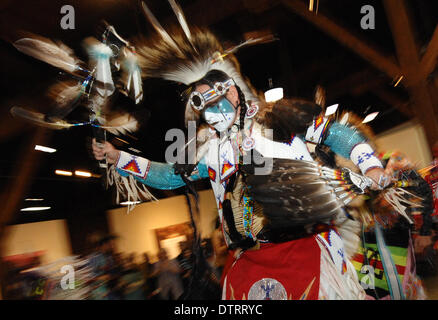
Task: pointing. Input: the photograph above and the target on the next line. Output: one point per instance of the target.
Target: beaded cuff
(362, 156)
(134, 165)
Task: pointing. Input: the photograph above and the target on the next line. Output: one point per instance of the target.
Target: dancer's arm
(154, 174)
(348, 142)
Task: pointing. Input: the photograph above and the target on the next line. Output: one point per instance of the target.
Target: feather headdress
(186, 56)
(191, 62)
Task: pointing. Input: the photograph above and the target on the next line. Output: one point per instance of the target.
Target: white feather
(166, 37)
(182, 20)
(121, 124)
(57, 55)
(344, 119)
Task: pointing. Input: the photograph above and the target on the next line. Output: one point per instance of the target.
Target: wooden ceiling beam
(259, 6)
(430, 57)
(364, 81)
(350, 84)
(382, 62)
(203, 13)
(407, 53)
(395, 101)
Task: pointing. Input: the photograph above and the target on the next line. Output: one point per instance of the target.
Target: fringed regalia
(385, 259)
(283, 215)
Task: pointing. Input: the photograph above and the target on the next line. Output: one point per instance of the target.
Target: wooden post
(386, 64)
(415, 80)
(430, 57)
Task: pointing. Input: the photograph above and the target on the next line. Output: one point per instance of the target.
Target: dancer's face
(220, 113)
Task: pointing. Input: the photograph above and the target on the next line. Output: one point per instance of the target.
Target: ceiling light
(128, 203)
(63, 173)
(273, 95)
(331, 109)
(312, 6)
(44, 149)
(84, 174)
(35, 208)
(122, 140)
(398, 81)
(33, 199)
(370, 117)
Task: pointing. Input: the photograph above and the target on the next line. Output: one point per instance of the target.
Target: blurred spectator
(169, 278)
(430, 174)
(106, 269)
(213, 272)
(132, 280)
(186, 265)
(150, 281)
(203, 282)
(209, 254)
(220, 250)
(427, 250)
(15, 287)
(24, 282)
(103, 260)
(183, 245)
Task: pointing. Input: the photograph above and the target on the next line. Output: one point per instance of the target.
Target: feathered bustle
(294, 195)
(288, 117)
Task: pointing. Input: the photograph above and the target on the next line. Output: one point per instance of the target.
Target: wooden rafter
(382, 62)
(200, 14)
(350, 82)
(394, 100)
(364, 81)
(430, 57)
(407, 53)
(403, 35)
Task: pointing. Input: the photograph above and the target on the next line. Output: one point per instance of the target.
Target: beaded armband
(363, 156)
(316, 132)
(134, 165)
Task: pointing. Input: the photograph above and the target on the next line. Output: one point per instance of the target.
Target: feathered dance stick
(57, 55)
(67, 94)
(40, 119)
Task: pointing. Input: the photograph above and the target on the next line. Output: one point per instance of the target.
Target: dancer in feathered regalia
(281, 212)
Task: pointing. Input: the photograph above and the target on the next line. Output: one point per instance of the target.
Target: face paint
(220, 115)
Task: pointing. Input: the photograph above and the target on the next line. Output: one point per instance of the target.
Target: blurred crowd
(105, 274)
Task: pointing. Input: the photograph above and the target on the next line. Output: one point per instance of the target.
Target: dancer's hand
(102, 149)
(379, 177)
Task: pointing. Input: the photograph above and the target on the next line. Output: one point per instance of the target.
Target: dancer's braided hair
(243, 107)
